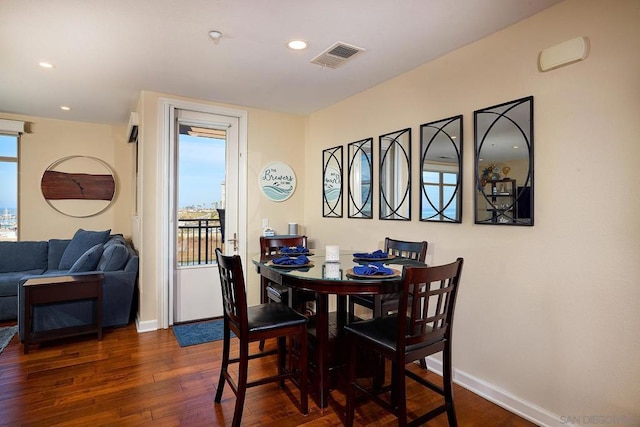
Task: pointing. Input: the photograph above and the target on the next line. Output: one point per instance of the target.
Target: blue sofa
(108, 254)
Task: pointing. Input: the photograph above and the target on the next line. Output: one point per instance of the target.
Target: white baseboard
(502, 398)
(146, 326)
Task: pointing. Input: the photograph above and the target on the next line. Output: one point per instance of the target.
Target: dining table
(326, 278)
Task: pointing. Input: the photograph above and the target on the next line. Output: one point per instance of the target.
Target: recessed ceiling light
(46, 65)
(515, 146)
(297, 44)
(65, 108)
(215, 36)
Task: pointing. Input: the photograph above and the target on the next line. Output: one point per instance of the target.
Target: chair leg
(282, 357)
(302, 366)
(447, 383)
(225, 362)
(423, 363)
(351, 378)
(243, 366)
(378, 371)
(399, 389)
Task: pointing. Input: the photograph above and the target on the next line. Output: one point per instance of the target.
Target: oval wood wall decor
(63, 185)
(78, 186)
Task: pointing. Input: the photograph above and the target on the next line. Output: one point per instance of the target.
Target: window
(8, 187)
(440, 186)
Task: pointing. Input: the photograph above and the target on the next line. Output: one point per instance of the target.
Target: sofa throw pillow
(113, 258)
(88, 260)
(81, 242)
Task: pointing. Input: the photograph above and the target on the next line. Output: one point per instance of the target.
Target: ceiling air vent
(336, 55)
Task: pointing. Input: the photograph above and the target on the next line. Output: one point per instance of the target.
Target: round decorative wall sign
(277, 181)
(78, 186)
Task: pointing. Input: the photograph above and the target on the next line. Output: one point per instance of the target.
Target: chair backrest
(428, 299)
(234, 296)
(221, 218)
(271, 245)
(412, 250)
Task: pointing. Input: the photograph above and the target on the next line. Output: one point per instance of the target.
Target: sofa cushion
(81, 242)
(56, 250)
(9, 281)
(23, 256)
(113, 258)
(88, 260)
(115, 239)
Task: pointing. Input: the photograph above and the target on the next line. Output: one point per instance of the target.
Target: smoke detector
(336, 55)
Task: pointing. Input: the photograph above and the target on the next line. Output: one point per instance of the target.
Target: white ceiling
(106, 52)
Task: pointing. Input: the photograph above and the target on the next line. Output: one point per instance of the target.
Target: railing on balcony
(197, 241)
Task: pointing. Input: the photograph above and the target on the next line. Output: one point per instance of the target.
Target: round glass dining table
(326, 278)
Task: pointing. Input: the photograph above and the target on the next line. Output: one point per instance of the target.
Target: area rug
(199, 333)
(6, 333)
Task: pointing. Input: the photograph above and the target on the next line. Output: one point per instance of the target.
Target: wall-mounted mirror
(504, 163)
(332, 182)
(441, 170)
(360, 170)
(395, 175)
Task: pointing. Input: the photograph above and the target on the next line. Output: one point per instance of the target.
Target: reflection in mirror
(332, 182)
(395, 175)
(441, 162)
(504, 163)
(360, 157)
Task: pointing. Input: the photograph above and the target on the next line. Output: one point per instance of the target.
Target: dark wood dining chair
(421, 327)
(256, 323)
(381, 305)
(270, 247)
(273, 292)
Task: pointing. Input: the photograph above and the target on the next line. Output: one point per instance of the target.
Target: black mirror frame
(518, 210)
(405, 197)
(455, 137)
(332, 207)
(355, 210)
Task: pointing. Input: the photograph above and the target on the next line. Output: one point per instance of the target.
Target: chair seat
(383, 331)
(278, 293)
(269, 316)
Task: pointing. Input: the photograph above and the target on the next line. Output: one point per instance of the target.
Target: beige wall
(270, 137)
(48, 140)
(549, 314)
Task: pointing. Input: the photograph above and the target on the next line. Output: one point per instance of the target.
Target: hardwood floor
(132, 379)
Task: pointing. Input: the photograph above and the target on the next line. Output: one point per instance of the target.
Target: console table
(47, 290)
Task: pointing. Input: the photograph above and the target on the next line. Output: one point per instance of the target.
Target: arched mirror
(441, 170)
(395, 175)
(504, 163)
(360, 171)
(332, 182)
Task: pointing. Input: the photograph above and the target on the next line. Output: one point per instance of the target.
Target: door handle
(235, 242)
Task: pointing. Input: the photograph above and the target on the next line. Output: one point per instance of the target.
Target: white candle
(332, 253)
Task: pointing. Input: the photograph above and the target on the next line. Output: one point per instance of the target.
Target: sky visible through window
(201, 169)
(8, 175)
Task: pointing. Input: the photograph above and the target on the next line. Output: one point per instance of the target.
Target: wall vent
(336, 55)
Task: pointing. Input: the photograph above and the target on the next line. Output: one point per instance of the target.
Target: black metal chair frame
(257, 323)
(422, 326)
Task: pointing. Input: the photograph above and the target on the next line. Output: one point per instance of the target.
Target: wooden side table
(47, 290)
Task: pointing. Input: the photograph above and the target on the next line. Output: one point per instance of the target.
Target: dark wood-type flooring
(132, 379)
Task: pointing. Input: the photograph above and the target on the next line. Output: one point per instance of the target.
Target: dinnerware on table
(294, 250)
(300, 261)
(379, 254)
(374, 269)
